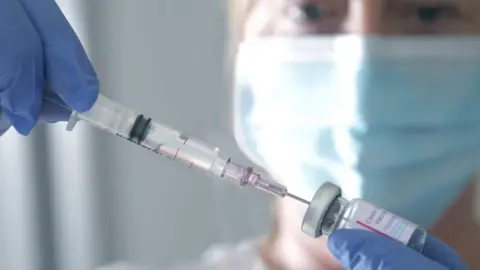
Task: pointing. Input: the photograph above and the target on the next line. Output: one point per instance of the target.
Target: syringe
(126, 123)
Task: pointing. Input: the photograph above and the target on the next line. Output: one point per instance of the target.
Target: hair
(237, 11)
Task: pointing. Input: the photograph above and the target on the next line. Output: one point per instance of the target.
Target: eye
(433, 14)
(303, 17)
(307, 12)
(311, 12)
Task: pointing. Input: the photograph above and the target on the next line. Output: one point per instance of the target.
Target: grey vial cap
(318, 207)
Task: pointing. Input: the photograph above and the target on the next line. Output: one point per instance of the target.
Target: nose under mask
(395, 121)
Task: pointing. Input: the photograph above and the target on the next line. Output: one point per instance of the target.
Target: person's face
(367, 17)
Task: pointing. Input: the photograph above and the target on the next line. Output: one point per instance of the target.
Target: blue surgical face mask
(395, 120)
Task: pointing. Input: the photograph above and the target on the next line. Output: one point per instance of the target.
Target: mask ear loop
(239, 129)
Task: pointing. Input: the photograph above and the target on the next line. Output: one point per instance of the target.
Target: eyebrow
(391, 4)
(427, 1)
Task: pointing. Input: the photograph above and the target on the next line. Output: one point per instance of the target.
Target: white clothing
(244, 256)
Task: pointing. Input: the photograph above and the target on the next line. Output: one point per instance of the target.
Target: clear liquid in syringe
(179, 147)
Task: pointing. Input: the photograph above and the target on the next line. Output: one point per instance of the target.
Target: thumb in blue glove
(365, 250)
(39, 49)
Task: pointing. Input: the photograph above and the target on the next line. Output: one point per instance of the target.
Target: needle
(298, 198)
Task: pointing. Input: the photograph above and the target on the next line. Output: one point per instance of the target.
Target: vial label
(372, 218)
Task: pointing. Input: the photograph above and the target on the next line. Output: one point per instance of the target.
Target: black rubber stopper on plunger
(140, 128)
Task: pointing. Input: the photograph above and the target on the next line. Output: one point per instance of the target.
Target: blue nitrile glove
(39, 50)
(365, 250)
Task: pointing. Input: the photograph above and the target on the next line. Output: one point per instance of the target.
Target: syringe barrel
(122, 121)
(110, 116)
(179, 147)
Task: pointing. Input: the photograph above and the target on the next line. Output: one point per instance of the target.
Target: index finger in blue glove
(21, 67)
(50, 112)
(362, 250)
(69, 72)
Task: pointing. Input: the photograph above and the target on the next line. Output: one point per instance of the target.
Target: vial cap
(318, 207)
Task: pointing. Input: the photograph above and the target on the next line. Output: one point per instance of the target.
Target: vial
(329, 211)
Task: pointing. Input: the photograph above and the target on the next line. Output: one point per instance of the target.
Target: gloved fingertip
(347, 243)
(337, 243)
(54, 115)
(82, 100)
(22, 125)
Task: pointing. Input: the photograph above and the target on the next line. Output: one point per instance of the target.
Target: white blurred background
(75, 201)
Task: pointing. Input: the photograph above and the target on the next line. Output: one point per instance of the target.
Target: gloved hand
(364, 250)
(39, 50)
